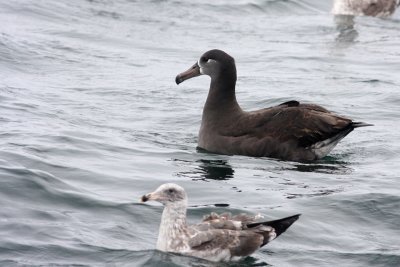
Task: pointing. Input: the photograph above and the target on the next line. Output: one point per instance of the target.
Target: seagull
(374, 8)
(290, 131)
(219, 237)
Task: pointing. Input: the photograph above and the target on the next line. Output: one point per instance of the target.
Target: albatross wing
(290, 130)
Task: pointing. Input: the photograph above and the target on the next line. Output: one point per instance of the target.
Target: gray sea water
(91, 119)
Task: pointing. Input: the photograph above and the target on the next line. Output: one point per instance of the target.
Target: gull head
(166, 194)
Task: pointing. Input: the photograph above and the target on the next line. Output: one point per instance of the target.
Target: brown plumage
(290, 131)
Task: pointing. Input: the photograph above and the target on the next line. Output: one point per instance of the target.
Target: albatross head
(212, 63)
(166, 194)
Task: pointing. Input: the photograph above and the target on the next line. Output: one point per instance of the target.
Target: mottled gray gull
(375, 8)
(291, 131)
(218, 237)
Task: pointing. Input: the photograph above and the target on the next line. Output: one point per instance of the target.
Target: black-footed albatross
(219, 237)
(289, 131)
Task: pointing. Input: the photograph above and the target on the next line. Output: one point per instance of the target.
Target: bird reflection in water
(215, 169)
(345, 27)
(159, 258)
(345, 11)
(329, 165)
(205, 169)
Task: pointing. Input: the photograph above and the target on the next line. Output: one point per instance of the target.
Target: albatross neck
(221, 97)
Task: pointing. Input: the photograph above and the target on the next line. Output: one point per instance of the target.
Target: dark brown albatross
(290, 131)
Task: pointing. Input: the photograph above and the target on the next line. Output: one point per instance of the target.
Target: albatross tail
(324, 147)
(360, 124)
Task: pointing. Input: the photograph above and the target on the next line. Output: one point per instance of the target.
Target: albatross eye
(206, 60)
(171, 190)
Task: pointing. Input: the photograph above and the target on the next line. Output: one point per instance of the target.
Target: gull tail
(279, 226)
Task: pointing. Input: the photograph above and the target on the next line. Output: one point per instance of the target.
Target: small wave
(275, 7)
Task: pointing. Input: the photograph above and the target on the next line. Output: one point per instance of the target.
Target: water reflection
(204, 169)
(174, 259)
(221, 169)
(318, 193)
(215, 169)
(345, 26)
(328, 165)
(339, 168)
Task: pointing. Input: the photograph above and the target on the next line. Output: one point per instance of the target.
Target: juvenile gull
(218, 237)
(290, 131)
(375, 8)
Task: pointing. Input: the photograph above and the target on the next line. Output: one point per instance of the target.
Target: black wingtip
(280, 225)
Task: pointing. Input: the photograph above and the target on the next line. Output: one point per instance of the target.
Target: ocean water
(91, 119)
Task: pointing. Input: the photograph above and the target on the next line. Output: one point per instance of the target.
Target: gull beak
(150, 196)
(190, 73)
(145, 198)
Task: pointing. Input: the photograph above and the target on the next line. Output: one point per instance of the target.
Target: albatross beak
(190, 73)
